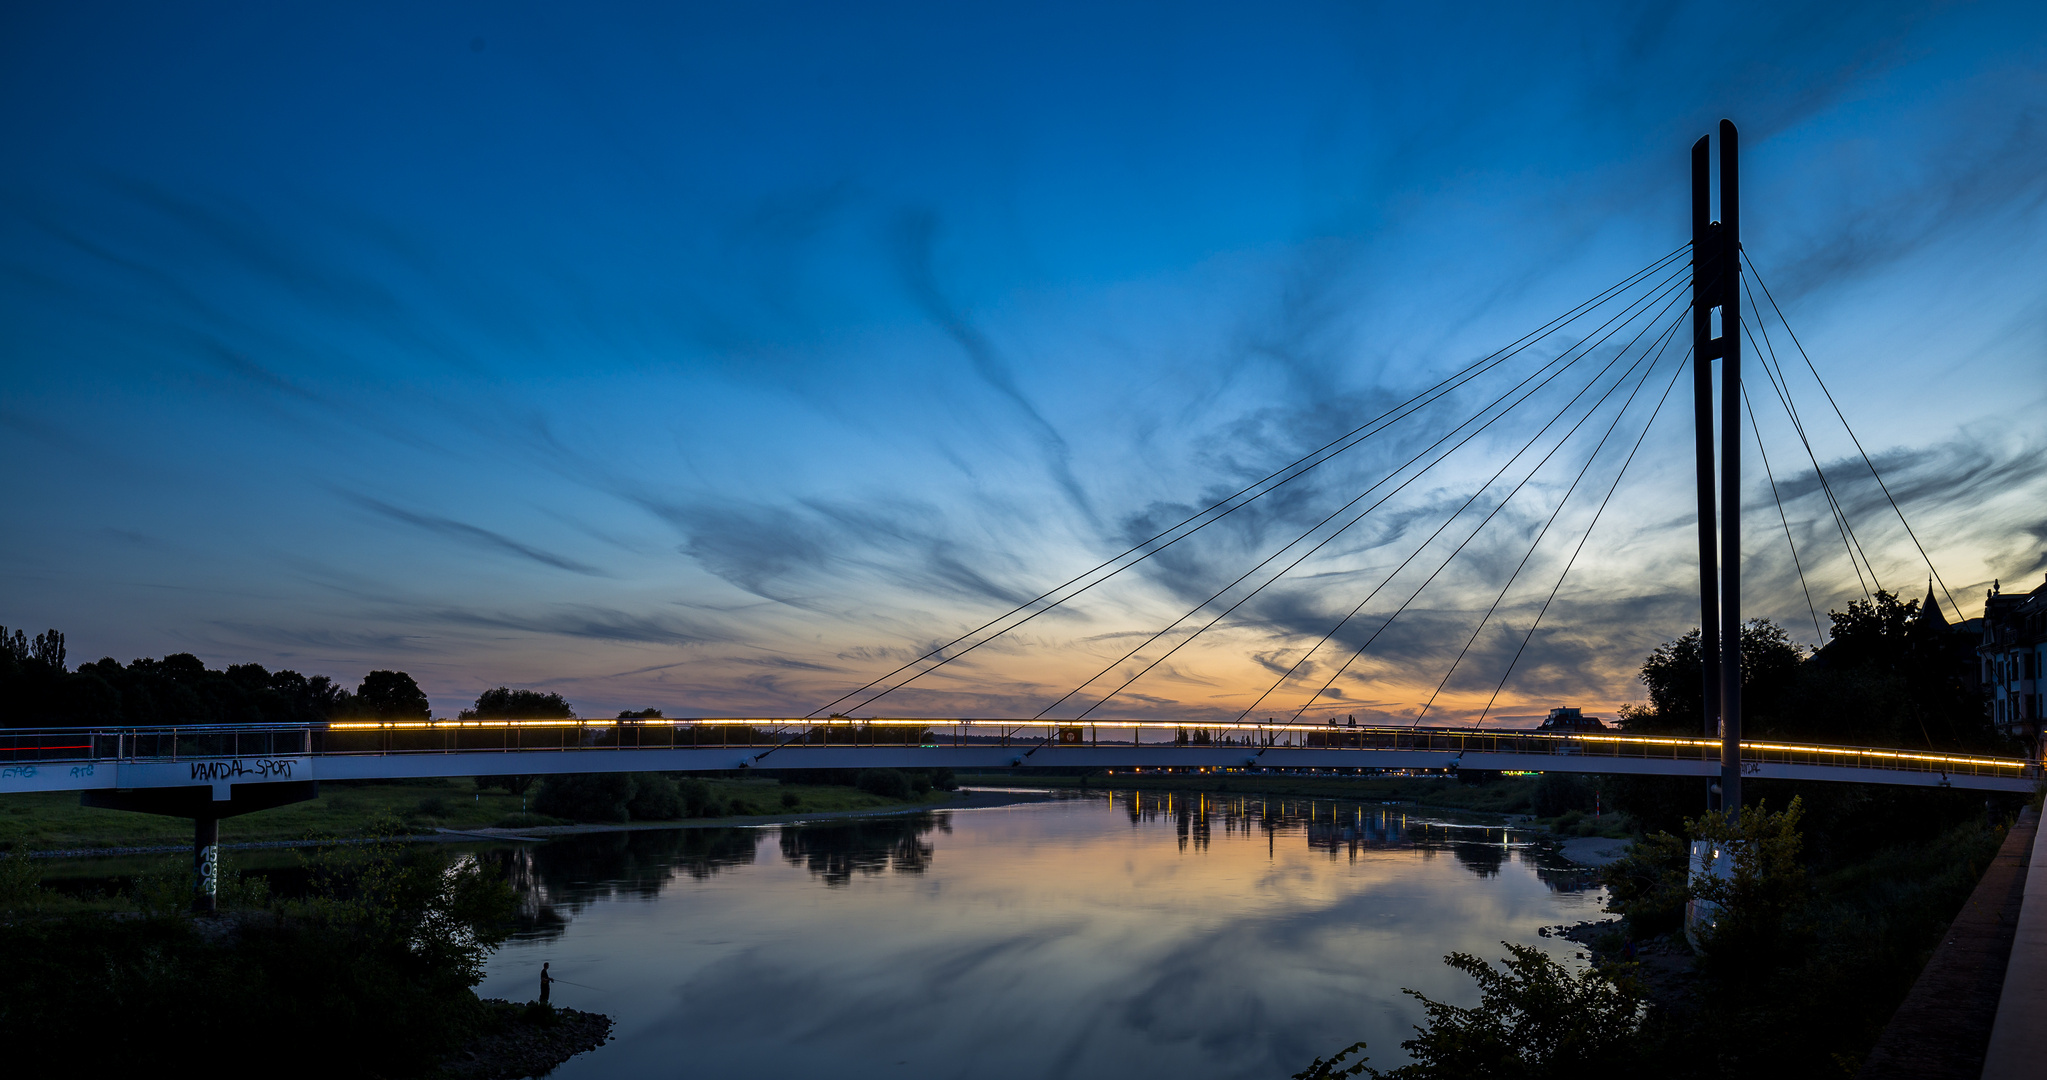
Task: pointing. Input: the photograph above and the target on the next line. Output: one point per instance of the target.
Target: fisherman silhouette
(546, 982)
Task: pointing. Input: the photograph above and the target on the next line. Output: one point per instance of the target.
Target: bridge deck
(80, 759)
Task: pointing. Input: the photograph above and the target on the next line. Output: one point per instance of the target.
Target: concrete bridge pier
(205, 806)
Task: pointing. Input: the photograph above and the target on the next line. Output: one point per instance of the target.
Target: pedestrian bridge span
(233, 763)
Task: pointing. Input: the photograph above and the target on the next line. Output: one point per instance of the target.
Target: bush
(431, 807)
(391, 942)
(515, 785)
(697, 800)
(1763, 888)
(541, 1014)
(1535, 1020)
(790, 801)
(586, 797)
(655, 798)
(1557, 792)
(1647, 886)
(887, 783)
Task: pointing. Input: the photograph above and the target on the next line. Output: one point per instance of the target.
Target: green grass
(53, 821)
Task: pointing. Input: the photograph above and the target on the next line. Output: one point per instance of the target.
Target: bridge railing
(767, 737)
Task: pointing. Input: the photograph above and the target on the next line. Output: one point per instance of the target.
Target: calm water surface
(1113, 934)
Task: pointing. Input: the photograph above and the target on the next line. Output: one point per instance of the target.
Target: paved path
(2018, 1041)
(1944, 1024)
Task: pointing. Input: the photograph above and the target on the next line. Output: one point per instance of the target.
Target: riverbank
(526, 1039)
(55, 825)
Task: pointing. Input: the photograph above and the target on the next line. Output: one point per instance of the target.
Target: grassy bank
(54, 821)
(385, 941)
(1513, 797)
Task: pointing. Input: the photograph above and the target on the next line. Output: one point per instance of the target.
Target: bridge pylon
(1716, 335)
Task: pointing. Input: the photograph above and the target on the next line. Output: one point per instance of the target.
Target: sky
(720, 358)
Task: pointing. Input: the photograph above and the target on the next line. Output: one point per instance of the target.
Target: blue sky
(720, 358)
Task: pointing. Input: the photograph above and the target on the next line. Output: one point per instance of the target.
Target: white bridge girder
(224, 774)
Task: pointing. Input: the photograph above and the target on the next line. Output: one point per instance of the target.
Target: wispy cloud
(473, 535)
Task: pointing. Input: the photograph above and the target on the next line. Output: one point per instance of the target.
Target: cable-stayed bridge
(1567, 407)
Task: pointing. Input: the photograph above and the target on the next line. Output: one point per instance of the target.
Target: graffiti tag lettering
(81, 770)
(13, 772)
(236, 768)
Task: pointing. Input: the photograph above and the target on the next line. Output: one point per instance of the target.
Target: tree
(1898, 667)
(1675, 677)
(1535, 1019)
(48, 648)
(505, 703)
(37, 691)
(1877, 632)
(391, 695)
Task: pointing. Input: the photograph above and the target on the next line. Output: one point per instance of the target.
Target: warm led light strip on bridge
(1459, 733)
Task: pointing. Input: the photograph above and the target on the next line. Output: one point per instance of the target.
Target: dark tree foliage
(586, 797)
(887, 783)
(624, 797)
(391, 695)
(1769, 666)
(1894, 674)
(1556, 792)
(381, 959)
(1536, 1020)
(505, 703)
(515, 784)
(37, 691)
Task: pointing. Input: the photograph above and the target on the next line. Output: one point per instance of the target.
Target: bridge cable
(1780, 383)
(1573, 561)
(1279, 477)
(1368, 598)
(1756, 429)
(1360, 650)
(1416, 553)
(1544, 531)
(1332, 536)
(1851, 436)
(1665, 285)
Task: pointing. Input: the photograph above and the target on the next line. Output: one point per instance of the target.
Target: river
(1106, 934)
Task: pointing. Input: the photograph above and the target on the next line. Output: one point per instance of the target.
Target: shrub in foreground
(1536, 1019)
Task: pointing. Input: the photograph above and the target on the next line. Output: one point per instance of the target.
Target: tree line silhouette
(38, 689)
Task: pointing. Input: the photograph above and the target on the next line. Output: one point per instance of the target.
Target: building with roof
(2012, 650)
